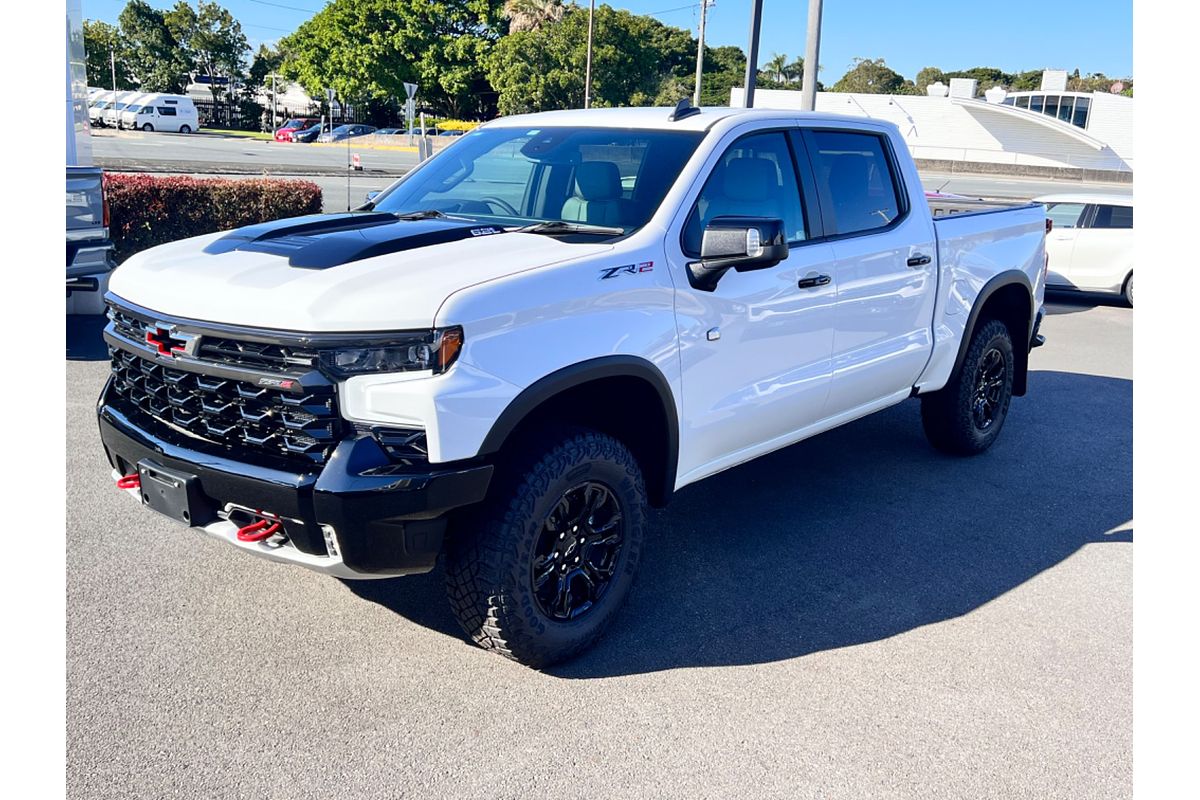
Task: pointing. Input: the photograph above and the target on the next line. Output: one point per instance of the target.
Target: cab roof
(659, 118)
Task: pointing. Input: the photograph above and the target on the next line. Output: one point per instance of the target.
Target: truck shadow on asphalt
(857, 535)
(85, 337)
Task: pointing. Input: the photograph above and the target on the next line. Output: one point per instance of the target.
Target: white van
(161, 112)
(106, 107)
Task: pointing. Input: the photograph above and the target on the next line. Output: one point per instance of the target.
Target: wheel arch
(627, 397)
(1007, 297)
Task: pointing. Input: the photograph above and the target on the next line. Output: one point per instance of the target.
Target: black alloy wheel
(989, 389)
(577, 551)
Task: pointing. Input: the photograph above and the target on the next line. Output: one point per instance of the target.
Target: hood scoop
(323, 241)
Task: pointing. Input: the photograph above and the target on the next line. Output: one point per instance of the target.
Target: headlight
(432, 350)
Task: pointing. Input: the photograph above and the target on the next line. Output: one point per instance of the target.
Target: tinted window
(1051, 105)
(599, 176)
(1113, 217)
(1081, 111)
(855, 178)
(166, 111)
(1065, 107)
(1022, 102)
(1064, 215)
(754, 178)
(1036, 101)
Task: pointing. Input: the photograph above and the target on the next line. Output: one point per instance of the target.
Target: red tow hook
(257, 531)
(129, 482)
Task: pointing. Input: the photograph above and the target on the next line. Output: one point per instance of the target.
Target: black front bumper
(385, 524)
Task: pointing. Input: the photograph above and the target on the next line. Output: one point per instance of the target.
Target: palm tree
(529, 15)
(794, 71)
(776, 66)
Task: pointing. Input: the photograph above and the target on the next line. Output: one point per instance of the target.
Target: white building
(1042, 132)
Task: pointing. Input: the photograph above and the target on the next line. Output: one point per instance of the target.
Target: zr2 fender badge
(626, 269)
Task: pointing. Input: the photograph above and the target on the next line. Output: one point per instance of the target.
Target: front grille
(265, 356)
(301, 429)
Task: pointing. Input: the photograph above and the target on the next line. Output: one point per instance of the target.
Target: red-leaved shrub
(147, 210)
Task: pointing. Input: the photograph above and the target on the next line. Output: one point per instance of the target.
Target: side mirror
(738, 243)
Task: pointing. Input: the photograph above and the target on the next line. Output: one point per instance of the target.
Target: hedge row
(148, 210)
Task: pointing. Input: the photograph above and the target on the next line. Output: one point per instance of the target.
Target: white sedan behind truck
(1091, 244)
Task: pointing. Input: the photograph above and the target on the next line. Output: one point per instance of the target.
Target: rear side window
(1064, 215)
(1113, 217)
(166, 111)
(855, 177)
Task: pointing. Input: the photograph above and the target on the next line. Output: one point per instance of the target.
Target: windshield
(133, 108)
(295, 123)
(598, 176)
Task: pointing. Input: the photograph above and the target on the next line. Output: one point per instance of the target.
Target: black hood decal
(322, 241)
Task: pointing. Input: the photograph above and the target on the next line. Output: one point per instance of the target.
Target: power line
(669, 10)
(290, 8)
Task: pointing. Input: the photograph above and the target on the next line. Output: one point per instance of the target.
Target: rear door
(1103, 253)
(884, 266)
(1060, 242)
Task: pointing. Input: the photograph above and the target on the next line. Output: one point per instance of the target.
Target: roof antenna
(683, 110)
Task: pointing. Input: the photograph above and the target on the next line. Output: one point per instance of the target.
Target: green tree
(636, 60)
(930, 75)
(868, 76)
(102, 42)
(724, 68)
(368, 49)
(775, 67)
(529, 15)
(212, 41)
(156, 61)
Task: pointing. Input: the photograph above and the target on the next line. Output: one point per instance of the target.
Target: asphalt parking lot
(855, 616)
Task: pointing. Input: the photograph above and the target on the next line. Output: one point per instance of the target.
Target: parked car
(423, 132)
(307, 135)
(161, 112)
(286, 132)
(508, 355)
(342, 132)
(1090, 247)
(389, 132)
(451, 133)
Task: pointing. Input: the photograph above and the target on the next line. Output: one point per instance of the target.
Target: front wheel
(966, 416)
(185, 129)
(541, 569)
(1128, 290)
(148, 127)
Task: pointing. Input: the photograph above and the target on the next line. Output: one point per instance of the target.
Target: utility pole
(700, 52)
(112, 56)
(752, 56)
(274, 104)
(587, 81)
(812, 54)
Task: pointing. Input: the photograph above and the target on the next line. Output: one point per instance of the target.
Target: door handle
(813, 281)
(919, 261)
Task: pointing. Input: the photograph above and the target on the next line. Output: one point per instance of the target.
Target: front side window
(1113, 217)
(854, 174)
(755, 177)
(148, 110)
(1064, 215)
(610, 177)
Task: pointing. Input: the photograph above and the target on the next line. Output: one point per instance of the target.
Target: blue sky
(1091, 35)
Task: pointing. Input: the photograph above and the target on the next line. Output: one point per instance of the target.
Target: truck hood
(359, 271)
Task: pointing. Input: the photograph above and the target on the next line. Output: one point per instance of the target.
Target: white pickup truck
(553, 323)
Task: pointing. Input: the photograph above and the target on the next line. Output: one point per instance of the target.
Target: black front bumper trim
(390, 524)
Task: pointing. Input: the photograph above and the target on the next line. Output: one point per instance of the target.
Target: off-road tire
(949, 415)
(490, 552)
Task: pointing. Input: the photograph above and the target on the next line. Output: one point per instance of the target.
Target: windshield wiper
(558, 226)
(425, 213)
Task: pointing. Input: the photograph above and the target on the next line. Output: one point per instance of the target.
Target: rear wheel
(148, 127)
(966, 416)
(185, 129)
(542, 567)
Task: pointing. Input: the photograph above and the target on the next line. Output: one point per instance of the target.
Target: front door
(755, 352)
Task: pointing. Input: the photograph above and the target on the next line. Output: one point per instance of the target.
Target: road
(210, 153)
(854, 616)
